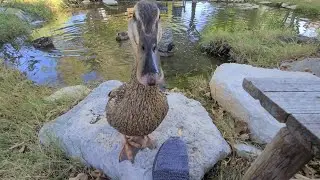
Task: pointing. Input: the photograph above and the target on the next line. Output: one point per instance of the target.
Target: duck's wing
(118, 92)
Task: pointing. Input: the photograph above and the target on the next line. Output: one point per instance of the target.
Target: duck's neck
(142, 89)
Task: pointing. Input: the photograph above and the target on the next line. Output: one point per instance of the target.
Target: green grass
(309, 7)
(11, 27)
(37, 8)
(259, 45)
(22, 113)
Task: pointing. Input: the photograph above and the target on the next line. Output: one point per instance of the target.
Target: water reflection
(86, 50)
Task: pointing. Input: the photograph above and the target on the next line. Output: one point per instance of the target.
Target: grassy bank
(310, 7)
(11, 26)
(259, 45)
(22, 112)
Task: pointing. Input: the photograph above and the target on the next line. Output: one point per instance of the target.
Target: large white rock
(226, 88)
(99, 144)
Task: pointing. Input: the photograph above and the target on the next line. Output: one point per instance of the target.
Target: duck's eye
(142, 47)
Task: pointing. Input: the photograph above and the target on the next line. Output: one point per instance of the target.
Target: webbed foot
(133, 144)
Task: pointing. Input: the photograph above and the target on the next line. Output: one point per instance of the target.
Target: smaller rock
(43, 42)
(247, 151)
(311, 65)
(72, 92)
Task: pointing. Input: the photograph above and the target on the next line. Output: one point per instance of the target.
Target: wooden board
(282, 97)
(284, 84)
(306, 129)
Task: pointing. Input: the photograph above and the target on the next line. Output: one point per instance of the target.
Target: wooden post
(280, 160)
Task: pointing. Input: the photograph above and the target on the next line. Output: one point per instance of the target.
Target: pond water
(86, 49)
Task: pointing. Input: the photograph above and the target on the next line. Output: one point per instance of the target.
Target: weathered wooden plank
(306, 129)
(285, 84)
(281, 104)
(265, 101)
(280, 160)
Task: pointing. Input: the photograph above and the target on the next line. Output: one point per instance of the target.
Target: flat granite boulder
(226, 89)
(84, 132)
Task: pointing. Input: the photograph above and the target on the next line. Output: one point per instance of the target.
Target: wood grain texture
(280, 104)
(285, 84)
(306, 129)
(280, 160)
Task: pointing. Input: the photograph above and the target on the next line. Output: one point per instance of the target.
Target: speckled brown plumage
(135, 109)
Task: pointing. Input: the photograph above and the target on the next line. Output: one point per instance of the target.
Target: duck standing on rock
(137, 108)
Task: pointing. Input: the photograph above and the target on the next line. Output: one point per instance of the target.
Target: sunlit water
(86, 50)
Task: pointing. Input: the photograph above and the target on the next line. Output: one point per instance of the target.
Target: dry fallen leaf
(96, 173)
(22, 149)
(80, 176)
(244, 137)
(241, 127)
(208, 94)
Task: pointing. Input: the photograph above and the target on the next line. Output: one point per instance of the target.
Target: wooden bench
(295, 102)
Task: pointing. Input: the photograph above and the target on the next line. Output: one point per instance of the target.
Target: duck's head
(144, 31)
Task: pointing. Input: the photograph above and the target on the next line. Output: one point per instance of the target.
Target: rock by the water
(226, 88)
(72, 92)
(99, 145)
(247, 151)
(166, 45)
(265, 2)
(247, 6)
(110, 2)
(300, 39)
(288, 6)
(311, 65)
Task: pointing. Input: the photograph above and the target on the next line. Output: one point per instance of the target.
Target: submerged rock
(311, 65)
(71, 92)
(226, 88)
(99, 145)
(43, 42)
(247, 151)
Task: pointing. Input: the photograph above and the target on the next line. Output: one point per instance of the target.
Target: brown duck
(137, 108)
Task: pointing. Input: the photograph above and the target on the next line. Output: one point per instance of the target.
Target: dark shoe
(171, 161)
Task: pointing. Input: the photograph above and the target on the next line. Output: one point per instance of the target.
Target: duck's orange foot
(133, 144)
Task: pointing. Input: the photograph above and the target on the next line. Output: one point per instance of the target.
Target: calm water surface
(86, 50)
